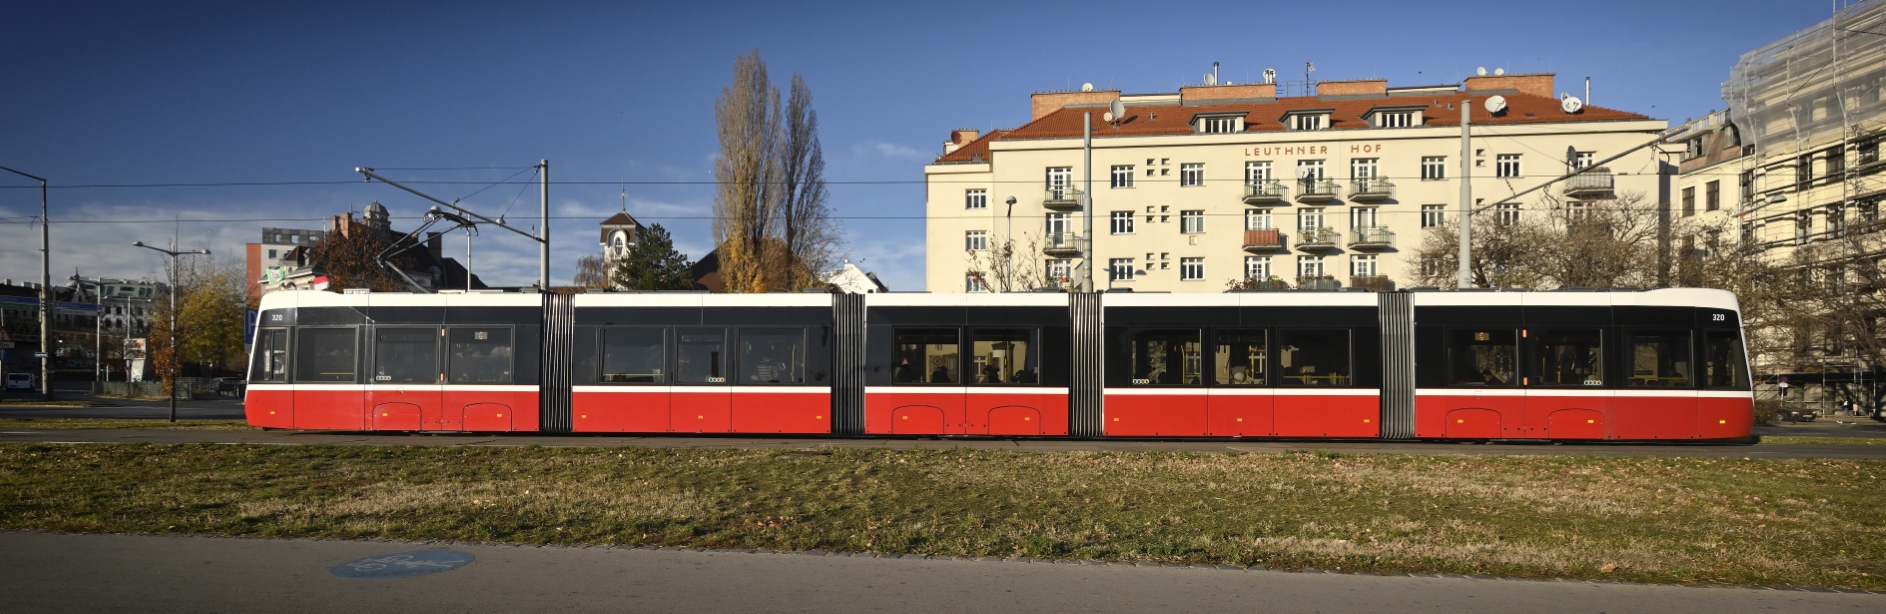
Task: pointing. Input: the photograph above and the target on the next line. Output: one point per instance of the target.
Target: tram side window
(1238, 358)
(772, 355)
(1167, 358)
(701, 356)
(479, 356)
(633, 355)
(271, 356)
(1725, 366)
(406, 356)
(1660, 359)
(324, 355)
(1004, 356)
(1483, 357)
(1570, 357)
(925, 356)
(1314, 356)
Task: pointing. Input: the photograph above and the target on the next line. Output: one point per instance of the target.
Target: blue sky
(136, 93)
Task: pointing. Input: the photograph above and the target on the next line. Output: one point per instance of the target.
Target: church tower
(618, 236)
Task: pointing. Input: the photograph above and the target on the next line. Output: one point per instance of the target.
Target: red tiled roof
(1164, 119)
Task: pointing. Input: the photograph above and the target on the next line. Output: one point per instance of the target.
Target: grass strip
(1665, 520)
(53, 403)
(1794, 440)
(152, 424)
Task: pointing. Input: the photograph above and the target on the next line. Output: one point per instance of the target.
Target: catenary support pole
(543, 249)
(46, 303)
(1087, 201)
(1465, 255)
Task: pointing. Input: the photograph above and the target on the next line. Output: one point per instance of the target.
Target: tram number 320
(1718, 317)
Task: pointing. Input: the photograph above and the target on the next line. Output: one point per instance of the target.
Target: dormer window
(1308, 120)
(1219, 124)
(1393, 118)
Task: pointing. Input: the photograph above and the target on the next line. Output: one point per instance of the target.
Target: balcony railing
(1597, 183)
(1318, 238)
(1061, 197)
(1061, 244)
(1371, 190)
(1264, 192)
(1316, 190)
(1373, 283)
(1263, 240)
(1371, 237)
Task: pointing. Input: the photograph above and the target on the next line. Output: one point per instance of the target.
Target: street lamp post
(45, 289)
(173, 254)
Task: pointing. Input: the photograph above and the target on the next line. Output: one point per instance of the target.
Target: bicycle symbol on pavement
(403, 564)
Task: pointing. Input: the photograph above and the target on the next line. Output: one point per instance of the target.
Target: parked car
(1798, 414)
(227, 385)
(20, 381)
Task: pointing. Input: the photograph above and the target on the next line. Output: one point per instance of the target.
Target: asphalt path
(44, 572)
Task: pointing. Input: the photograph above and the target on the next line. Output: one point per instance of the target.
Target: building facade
(270, 260)
(1215, 184)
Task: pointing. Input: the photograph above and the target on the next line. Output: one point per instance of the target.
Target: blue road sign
(403, 564)
(248, 325)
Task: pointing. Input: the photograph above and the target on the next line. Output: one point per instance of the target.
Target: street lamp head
(1011, 201)
(138, 244)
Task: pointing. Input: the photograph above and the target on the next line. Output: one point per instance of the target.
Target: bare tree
(748, 173)
(591, 272)
(1499, 260)
(1011, 267)
(811, 235)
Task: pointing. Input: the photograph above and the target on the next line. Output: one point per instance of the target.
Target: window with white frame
(1309, 220)
(1256, 172)
(1055, 223)
(1433, 215)
(976, 240)
(1432, 266)
(1577, 211)
(1309, 266)
(1059, 269)
(1433, 168)
(1309, 121)
(976, 198)
(1361, 265)
(1363, 168)
(1257, 267)
(1219, 125)
(1060, 176)
(1120, 269)
(1362, 217)
(1191, 222)
(973, 282)
(1122, 176)
(1581, 159)
(1122, 222)
(1396, 119)
(1310, 169)
(1506, 165)
(1257, 219)
(1509, 213)
(1191, 269)
(1191, 175)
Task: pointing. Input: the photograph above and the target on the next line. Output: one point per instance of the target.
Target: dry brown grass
(29, 424)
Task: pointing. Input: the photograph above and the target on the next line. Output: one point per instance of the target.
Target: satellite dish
(1571, 104)
(1106, 117)
(1270, 75)
(1087, 87)
(1117, 109)
(1496, 104)
(1211, 79)
(1499, 71)
(1303, 172)
(1482, 71)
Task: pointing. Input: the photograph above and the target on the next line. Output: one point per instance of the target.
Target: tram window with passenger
(1660, 358)
(479, 355)
(1724, 365)
(271, 356)
(1166, 357)
(1568, 357)
(1314, 357)
(772, 355)
(1483, 357)
(1238, 358)
(1004, 356)
(324, 355)
(633, 355)
(925, 356)
(700, 356)
(406, 356)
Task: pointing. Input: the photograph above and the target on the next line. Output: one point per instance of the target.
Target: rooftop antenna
(1270, 75)
(1308, 67)
(625, 197)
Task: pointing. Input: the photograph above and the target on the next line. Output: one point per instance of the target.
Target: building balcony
(1316, 190)
(1372, 283)
(1371, 190)
(1061, 198)
(1594, 184)
(1061, 244)
(1263, 240)
(1371, 238)
(1318, 282)
(1264, 192)
(1318, 239)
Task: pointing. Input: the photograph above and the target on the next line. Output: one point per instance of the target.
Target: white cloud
(888, 151)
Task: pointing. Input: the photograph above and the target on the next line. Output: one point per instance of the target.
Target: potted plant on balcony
(1372, 283)
(1318, 282)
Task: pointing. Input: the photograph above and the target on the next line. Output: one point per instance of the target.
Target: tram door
(404, 391)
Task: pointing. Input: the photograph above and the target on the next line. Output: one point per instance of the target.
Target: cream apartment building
(1214, 183)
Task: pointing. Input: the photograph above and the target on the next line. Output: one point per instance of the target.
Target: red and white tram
(1568, 365)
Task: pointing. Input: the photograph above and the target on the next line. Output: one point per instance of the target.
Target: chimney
(1359, 87)
(1049, 102)
(1199, 93)
(1537, 84)
(960, 137)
